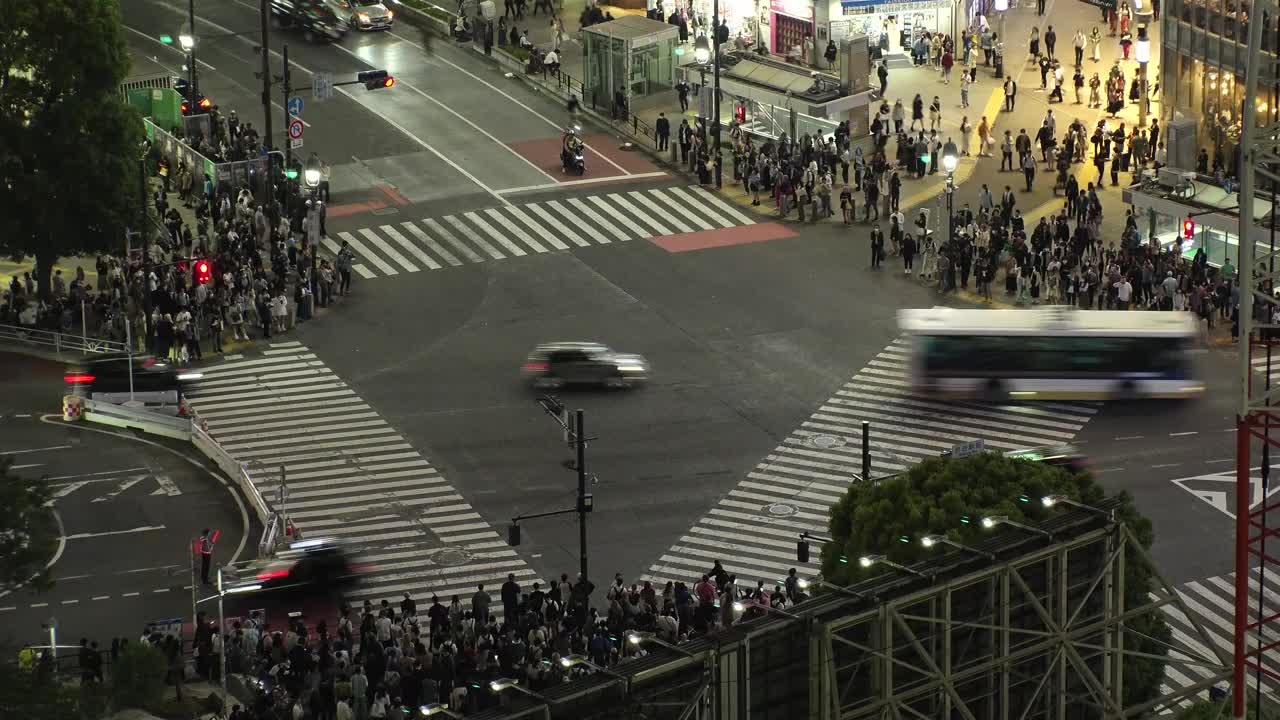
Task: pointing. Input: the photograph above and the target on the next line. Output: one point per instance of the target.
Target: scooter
(573, 162)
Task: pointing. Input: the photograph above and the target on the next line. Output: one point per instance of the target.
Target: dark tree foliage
(69, 145)
(937, 496)
(27, 529)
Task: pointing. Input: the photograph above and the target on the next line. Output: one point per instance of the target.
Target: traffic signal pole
(266, 98)
(288, 143)
(573, 433)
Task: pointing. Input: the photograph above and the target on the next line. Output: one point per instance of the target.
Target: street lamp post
(867, 561)
(931, 541)
(222, 626)
(1002, 7)
(1142, 53)
(991, 521)
(187, 39)
(950, 159)
(639, 638)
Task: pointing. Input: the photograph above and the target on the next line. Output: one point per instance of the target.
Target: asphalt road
(128, 507)
(746, 340)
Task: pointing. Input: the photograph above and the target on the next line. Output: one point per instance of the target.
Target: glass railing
(1229, 20)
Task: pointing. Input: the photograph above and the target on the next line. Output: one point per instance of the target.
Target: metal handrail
(59, 341)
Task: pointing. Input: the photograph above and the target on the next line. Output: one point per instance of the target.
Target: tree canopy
(27, 529)
(948, 496)
(69, 145)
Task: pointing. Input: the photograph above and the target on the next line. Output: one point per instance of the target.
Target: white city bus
(1051, 353)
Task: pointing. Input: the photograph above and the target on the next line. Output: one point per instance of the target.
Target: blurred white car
(363, 14)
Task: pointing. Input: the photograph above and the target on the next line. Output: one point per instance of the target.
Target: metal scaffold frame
(1258, 412)
(1050, 640)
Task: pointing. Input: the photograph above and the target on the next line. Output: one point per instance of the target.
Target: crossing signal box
(376, 79)
(802, 551)
(513, 534)
(1188, 229)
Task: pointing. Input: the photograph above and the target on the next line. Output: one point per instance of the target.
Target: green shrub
(138, 676)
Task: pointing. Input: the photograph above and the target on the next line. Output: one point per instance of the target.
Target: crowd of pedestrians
(262, 275)
(384, 660)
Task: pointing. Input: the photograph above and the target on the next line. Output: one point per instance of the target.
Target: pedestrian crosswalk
(754, 528)
(350, 475)
(1211, 604)
(515, 231)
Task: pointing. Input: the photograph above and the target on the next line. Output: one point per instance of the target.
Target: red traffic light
(202, 272)
(388, 82)
(1189, 229)
(205, 103)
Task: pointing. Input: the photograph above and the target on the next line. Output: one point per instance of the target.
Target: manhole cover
(825, 441)
(451, 556)
(780, 510)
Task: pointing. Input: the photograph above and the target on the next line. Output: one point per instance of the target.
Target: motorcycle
(571, 155)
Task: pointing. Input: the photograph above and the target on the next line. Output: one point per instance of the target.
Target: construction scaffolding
(1048, 630)
(1256, 623)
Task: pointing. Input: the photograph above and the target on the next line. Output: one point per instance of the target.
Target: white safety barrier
(187, 427)
(59, 342)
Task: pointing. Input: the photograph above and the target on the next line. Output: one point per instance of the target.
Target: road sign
(295, 129)
(295, 106)
(295, 143)
(964, 450)
(321, 86)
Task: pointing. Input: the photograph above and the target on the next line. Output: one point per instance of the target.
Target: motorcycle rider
(570, 149)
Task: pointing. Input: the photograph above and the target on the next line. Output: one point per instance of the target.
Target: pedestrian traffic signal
(802, 551)
(376, 79)
(1189, 229)
(203, 272)
(513, 534)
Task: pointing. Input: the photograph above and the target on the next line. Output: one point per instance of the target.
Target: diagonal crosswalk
(540, 227)
(1211, 604)
(351, 476)
(753, 530)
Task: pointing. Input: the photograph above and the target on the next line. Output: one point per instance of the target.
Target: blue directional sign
(295, 106)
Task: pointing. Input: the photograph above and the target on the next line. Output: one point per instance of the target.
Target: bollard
(72, 408)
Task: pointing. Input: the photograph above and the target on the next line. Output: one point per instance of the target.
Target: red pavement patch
(545, 155)
(722, 237)
(393, 194)
(354, 208)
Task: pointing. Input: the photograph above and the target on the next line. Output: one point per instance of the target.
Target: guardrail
(188, 428)
(60, 342)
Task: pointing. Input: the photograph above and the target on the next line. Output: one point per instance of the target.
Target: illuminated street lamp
(502, 684)
(701, 50)
(867, 561)
(804, 584)
(1002, 7)
(1142, 53)
(638, 638)
(950, 159)
(437, 709)
(185, 39)
(740, 607)
(312, 173)
(569, 661)
(991, 521)
(931, 541)
(1051, 500)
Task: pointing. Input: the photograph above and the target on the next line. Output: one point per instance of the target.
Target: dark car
(108, 373)
(193, 103)
(583, 363)
(1066, 457)
(314, 18)
(320, 564)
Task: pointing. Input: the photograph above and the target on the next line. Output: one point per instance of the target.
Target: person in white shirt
(552, 61)
(1124, 293)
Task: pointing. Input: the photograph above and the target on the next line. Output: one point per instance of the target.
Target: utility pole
(191, 71)
(715, 96)
(269, 181)
(573, 434)
(288, 143)
(580, 440)
(145, 231)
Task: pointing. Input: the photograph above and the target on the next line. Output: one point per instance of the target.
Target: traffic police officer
(206, 555)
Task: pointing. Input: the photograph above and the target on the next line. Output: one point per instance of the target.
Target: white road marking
(34, 450)
(144, 528)
(551, 220)
(386, 248)
(501, 239)
(410, 248)
(473, 236)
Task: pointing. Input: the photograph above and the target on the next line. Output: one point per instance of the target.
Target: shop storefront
(1215, 95)
(1161, 211)
(893, 27)
(742, 16)
(791, 27)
